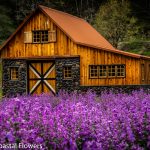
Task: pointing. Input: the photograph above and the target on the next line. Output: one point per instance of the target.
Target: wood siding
(64, 46)
(145, 71)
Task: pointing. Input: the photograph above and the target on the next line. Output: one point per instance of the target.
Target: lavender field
(78, 121)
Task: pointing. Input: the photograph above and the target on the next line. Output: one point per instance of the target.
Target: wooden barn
(52, 50)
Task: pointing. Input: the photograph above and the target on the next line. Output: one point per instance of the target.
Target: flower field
(78, 121)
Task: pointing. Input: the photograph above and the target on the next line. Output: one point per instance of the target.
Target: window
(44, 36)
(120, 70)
(104, 71)
(36, 37)
(14, 74)
(112, 71)
(40, 36)
(94, 71)
(67, 72)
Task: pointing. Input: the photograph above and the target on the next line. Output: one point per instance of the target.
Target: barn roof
(78, 30)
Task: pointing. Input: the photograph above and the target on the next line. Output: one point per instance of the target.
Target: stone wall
(67, 84)
(13, 87)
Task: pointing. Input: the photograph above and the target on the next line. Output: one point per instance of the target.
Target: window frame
(107, 71)
(94, 77)
(124, 70)
(103, 72)
(40, 36)
(51, 36)
(11, 73)
(111, 69)
(66, 71)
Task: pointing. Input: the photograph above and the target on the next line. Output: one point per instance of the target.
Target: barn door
(41, 77)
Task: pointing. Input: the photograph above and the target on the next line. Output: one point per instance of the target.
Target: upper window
(104, 71)
(14, 74)
(40, 36)
(67, 72)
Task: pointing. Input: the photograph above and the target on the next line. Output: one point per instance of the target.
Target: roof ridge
(65, 13)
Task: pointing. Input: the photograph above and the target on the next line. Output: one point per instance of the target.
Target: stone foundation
(115, 89)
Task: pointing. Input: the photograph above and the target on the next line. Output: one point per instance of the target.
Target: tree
(85, 9)
(6, 24)
(114, 21)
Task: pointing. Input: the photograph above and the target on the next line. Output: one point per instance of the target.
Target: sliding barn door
(41, 77)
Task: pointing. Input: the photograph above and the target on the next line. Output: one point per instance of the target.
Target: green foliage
(6, 24)
(136, 46)
(23, 8)
(85, 9)
(115, 22)
(133, 30)
(141, 10)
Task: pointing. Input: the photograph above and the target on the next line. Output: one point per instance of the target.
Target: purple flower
(10, 137)
(78, 121)
(39, 140)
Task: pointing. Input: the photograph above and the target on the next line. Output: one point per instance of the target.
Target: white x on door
(41, 77)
